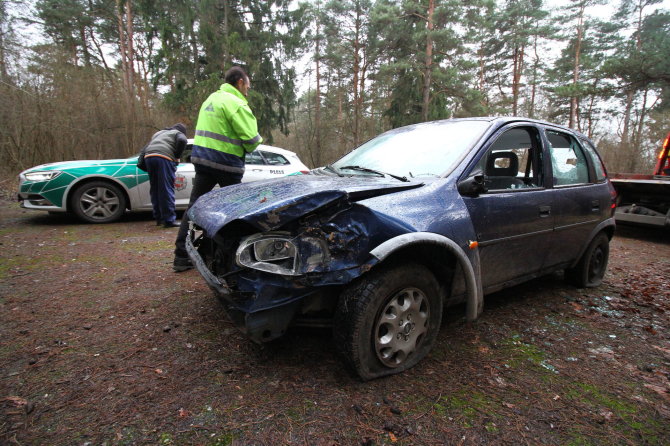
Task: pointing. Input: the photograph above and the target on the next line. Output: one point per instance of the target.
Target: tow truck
(645, 199)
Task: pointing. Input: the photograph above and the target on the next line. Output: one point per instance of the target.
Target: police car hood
(79, 164)
(270, 204)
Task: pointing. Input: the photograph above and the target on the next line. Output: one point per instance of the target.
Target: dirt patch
(101, 343)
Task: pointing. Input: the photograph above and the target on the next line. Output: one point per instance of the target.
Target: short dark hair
(234, 74)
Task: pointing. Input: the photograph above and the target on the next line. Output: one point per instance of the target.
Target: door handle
(595, 205)
(545, 211)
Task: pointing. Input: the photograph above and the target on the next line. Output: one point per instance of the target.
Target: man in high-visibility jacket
(226, 131)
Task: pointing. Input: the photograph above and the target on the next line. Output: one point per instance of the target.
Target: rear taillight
(613, 197)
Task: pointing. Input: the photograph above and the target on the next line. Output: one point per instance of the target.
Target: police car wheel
(98, 202)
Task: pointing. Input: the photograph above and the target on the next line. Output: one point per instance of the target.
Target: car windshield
(429, 149)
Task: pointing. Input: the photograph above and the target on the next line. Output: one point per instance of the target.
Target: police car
(101, 191)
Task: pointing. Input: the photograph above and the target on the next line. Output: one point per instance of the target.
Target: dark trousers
(203, 182)
(161, 187)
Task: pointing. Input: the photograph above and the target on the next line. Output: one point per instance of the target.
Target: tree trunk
(482, 77)
(122, 46)
(630, 94)
(516, 78)
(574, 103)
(226, 36)
(356, 69)
(84, 46)
(3, 64)
(428, 63)
(637, 137)
(130, 48)
(533, 90)
(625, 140)
(194, 50)
(317, 97)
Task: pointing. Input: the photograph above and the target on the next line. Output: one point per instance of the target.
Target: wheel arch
(431, 250)
(607, 227)
(67, 198)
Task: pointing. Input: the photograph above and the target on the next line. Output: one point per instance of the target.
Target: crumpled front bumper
(260, 325)
(218, 285)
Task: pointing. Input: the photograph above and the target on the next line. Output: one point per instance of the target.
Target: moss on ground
(632, 423)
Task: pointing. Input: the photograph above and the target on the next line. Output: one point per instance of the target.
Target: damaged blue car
(421, 217)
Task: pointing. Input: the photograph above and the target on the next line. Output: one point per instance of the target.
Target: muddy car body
(416, 219)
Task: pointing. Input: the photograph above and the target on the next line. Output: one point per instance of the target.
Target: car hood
(63, 165)
(270, 204)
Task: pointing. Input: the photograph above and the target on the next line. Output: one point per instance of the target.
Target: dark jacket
(166, 143)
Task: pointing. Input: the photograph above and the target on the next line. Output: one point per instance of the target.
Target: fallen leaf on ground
(17, 401)
(663, 391)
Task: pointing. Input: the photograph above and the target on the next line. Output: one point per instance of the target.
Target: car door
(582, 198)
(254, 167)
(513, 220)
(183, 183)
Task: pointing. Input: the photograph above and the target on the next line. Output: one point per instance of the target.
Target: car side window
(513, 161)
(254, 158)
(275, 159)
(568, 161)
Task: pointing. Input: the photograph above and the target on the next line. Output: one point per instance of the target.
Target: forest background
(93, 79)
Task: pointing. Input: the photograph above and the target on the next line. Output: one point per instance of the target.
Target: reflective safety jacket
(225, 132)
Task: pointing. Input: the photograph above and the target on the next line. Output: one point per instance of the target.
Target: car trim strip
(485, 243)
(574, 225)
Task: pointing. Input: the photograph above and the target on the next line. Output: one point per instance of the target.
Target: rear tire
(98, 202)
(591, 268)
(388, 320)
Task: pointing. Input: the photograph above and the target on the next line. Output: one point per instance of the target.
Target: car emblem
(180, 182)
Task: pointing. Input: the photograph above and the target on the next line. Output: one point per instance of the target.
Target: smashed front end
(279, 252)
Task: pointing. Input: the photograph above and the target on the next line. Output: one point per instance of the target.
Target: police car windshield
(418, 150)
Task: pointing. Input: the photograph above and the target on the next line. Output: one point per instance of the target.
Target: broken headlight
(280, 253)
(271, 252)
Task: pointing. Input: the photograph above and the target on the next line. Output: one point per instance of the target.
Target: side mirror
(472, 186)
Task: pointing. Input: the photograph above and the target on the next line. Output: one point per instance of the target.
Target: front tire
(388, 320)
(590, 270)
(98, 202)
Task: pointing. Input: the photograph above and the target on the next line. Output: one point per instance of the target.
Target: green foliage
(68, 23)
(382, 64)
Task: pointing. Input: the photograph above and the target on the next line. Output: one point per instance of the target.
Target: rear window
(568, 161)
(275, 159)
(254, 158)
(598, 165)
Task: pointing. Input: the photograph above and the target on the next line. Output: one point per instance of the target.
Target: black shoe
(170, 224)
(182, 264)
(158, 222)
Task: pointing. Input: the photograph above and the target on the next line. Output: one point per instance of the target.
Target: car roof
(502, 120)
